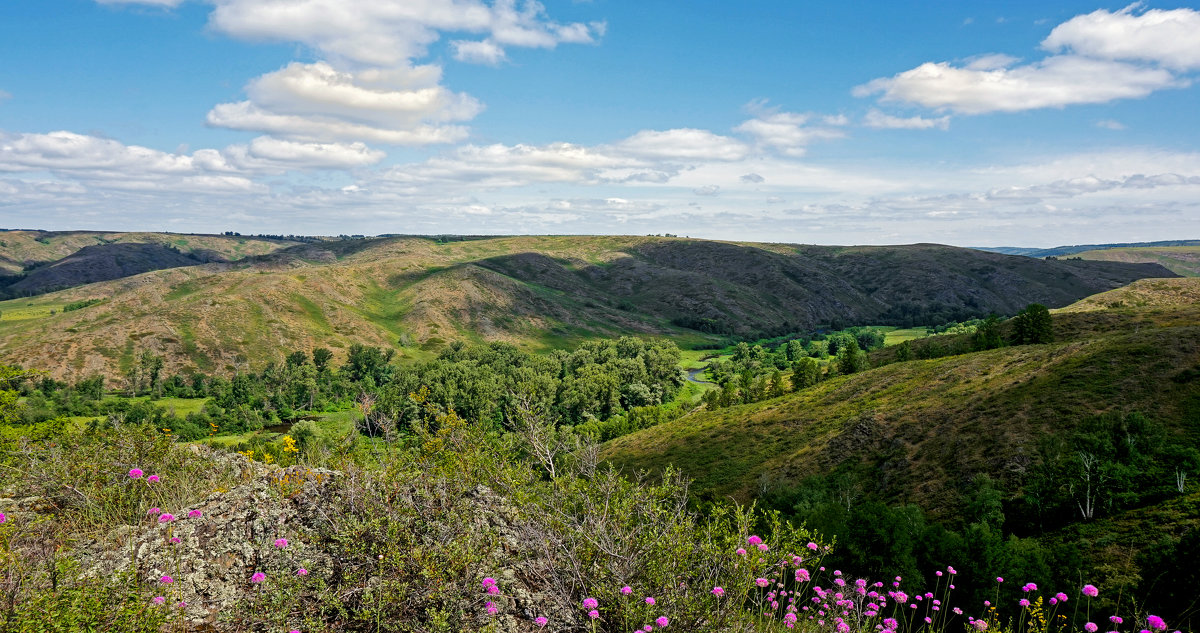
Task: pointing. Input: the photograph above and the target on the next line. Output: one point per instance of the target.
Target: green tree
(904, 352)
(850, 358)
(805, 373)
(987, 334)
(1033, 325)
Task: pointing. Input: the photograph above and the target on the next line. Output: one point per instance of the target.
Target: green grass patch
(896, 336)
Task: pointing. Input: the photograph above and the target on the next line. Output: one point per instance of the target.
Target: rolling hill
(920, 430)
(540, 292)
(1182, 260)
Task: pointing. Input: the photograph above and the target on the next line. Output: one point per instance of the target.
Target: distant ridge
(1059, 251)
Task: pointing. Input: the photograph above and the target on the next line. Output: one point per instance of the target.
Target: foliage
(1032, 325)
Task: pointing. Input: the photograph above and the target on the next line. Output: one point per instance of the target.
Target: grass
(896, 336)
(945, 419)
(25, 309)
(541, 292)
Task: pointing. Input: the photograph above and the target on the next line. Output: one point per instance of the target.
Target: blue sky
(980, 123)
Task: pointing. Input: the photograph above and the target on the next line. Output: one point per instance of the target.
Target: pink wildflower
(662, 621)
(740, 552)
(166, 580)
(152, 479)
(1090, 591)
(1156, 622)
(762, 582)
(1091, 627)
(135, 473)
(158, 600)
(626, 590)
(489, 582)
(541, 621)
(593, 614)
(649, 600)
(590, 603)
(195, 514)
(753, 540)
(258, 577)
(812, 546)
(302, 572)
(166, 517)
(281, 543)
(1062, 597)
(493, 590)
(718, 592)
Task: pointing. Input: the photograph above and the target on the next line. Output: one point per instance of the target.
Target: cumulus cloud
(707, 190)
(753, 179)
(318, 103)
(1053, 82)
(1167, 37)
(683, 143)
(483, 52)
(876, 119)
(107, 164)
(1103, 57)
(391, 32)
(501, 165)
(267, 153)
(788, 132)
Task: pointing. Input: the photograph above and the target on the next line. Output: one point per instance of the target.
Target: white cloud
(1110, 124)
(707, 190)
(683, 143)
(876, 119)
(1167, 37)
(518, 165)
(268, 153)
(391, 32)
(787, 132)
(4, 96)
(1104, 57)
(991, 62)
(1051, 83)
(482, 52)
(753, 178)
(316, 102)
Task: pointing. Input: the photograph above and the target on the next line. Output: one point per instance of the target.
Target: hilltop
(35, 262)
(1063, 251)
(1182, 260)
(539, 292)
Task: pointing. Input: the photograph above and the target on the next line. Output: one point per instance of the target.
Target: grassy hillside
(1182, 260)
(920, 430)
(35, 262)
(540, 292)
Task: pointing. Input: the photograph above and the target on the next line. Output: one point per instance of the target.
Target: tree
(1033, 325)
(805, 373)
(987, 334)
(850, 358)
(904, 352)
(321, 358)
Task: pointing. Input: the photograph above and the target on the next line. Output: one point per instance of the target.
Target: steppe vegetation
(1033, 473)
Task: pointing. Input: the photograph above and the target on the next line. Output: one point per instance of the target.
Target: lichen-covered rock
(206, 556)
